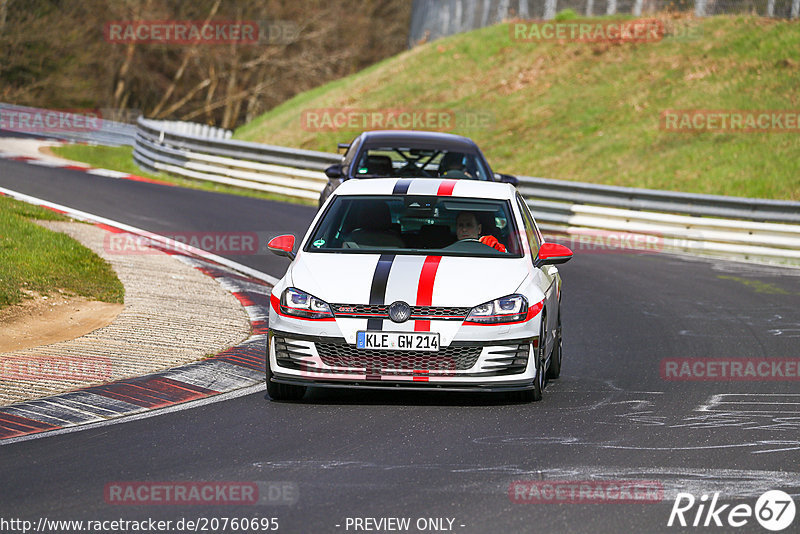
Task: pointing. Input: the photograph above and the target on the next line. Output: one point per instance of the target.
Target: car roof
(427, 186)
(418, 139)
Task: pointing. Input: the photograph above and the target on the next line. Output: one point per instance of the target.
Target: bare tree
(54, 53)
(3, 14)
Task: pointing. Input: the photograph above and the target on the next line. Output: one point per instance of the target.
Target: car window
(531, 231)
(390, 161)
(417, 224)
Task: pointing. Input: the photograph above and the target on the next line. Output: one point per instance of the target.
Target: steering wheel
(413, 171)
(455, 173)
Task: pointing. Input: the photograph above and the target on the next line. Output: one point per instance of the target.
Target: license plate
(428, 341)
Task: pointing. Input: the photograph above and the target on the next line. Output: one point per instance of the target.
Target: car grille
(452, 358)
(382, 311)
(500, 360)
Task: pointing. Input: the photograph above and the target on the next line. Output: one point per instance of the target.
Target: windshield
(431, 225)
(420, 163)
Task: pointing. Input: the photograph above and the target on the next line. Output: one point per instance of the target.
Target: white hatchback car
(418, 284)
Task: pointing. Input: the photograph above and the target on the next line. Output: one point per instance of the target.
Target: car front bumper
(490, 365)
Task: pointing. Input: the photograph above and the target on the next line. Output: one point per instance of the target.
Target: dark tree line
(55, 54)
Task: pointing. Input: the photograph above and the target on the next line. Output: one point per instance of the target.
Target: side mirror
(282, 245)
(507, 179)
(552, 254)
(334, 171)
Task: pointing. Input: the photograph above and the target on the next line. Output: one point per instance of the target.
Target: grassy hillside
(590, 111)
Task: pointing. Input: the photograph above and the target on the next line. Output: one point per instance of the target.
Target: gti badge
(399, 311)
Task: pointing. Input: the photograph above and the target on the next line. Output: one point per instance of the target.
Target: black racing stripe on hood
(377, 292)
(401, 186)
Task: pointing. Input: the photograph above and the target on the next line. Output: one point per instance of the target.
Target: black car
(410, 154)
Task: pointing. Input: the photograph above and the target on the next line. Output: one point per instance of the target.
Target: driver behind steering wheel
(452, 166)
(468, 227)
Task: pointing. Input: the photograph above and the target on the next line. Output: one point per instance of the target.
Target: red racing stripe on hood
(446, 188)
(425, 289)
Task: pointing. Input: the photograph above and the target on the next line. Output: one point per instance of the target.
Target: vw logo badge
(399, 311)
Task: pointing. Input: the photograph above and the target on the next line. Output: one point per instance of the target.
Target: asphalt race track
(610, 417)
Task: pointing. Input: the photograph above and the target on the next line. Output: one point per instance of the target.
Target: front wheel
(538, 382)
(554, 371)
(534, 394)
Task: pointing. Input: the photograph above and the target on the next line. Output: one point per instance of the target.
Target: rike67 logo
(774, 510)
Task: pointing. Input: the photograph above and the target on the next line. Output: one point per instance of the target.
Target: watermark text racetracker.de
(730, 369)
(730, 121)
(106, 526)
(588, 31)
(402, 368)
(589, 241)
(585, 491)
(650, 30)
(93, 369)
(195, 32)
(354, 119)
(32, 120)
(223, 243)
(181, 493)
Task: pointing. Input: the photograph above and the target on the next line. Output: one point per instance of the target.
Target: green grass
(33, 258)
(115, 158)
(121, 159)
(590, 111)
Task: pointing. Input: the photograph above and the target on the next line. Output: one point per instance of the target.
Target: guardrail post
(770, 8)
(637, 8)
(611, 8)
(795, 8)
(589, 7)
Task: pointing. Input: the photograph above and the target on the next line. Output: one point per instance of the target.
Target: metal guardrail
(65, 125)
(654, 200)
(733, 227)
(273, 169)
(598, 228)
(719, 225)
(162, 133)
(198, 130)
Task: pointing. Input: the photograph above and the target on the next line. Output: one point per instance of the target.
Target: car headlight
(510, 309)
(300, 304)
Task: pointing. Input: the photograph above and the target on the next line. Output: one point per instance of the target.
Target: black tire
(554, 371)
(283, 392)
(538, 383)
